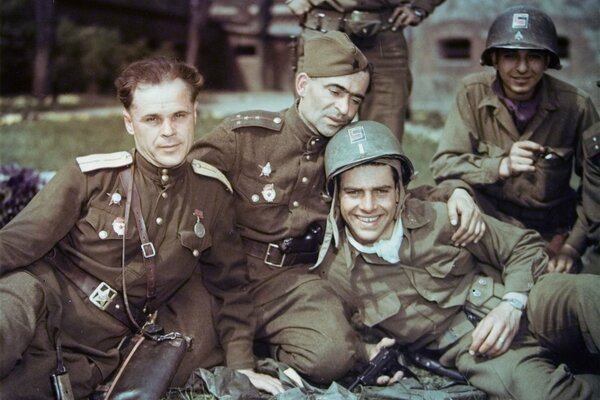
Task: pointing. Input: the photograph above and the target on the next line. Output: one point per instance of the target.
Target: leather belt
(102, 295)
(272, 255)
(358, 22)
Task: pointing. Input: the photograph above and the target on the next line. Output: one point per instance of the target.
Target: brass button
(103, 235)
(476, 293)
(164, 195)
(196, 253)
(277, 120)
(159, 221)
(295, 204)
(304, 179)
(255, 198)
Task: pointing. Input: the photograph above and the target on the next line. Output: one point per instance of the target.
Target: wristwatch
(518, 304)
(419, 12)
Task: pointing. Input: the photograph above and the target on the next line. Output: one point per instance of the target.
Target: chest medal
(199, 228)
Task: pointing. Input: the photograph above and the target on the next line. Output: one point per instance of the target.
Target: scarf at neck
(388, 249)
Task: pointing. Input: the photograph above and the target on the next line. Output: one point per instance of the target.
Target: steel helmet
(359, 143)
(522, 27)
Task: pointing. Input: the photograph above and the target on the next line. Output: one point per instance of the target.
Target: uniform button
(255, 198)
(159, 221)
(304, 179)
(103, 235)
(476, 293)
(165, 171)
(482, 282)
(295, 204)
(164, 178)
(164, 195)
(196, 253)
(308, 157)
(312, 142)
(277, 120)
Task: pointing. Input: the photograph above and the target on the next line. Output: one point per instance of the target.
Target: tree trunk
(44, 20)
(198, 15)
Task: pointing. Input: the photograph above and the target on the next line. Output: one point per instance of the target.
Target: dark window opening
(456, 48)
(563, 47)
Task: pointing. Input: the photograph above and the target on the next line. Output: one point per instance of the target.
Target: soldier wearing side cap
(77, 276)
(512, 133)
(274, 161)
(377, 28)
(476, 308)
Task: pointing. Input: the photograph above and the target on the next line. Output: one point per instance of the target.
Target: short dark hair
(154, 71)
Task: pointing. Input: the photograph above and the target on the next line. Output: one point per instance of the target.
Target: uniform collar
(549, 98)
(161, 176)
(313, 142)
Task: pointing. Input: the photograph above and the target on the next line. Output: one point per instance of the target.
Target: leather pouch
(148, 368)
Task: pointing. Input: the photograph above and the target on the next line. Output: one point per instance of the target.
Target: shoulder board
(100, 161)
(263, 119)
(205, 169)
(592, 145)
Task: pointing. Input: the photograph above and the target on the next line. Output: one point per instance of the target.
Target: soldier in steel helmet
(389, 257)
(275, 163)
(512, 133)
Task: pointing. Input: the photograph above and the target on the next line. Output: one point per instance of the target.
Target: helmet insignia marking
(518, 35)
(520, 21)
(357, 134)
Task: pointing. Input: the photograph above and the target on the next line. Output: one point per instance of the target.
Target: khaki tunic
(71, 222)
(586, 232)
(480, 131)
(418, 299)
(275, 165)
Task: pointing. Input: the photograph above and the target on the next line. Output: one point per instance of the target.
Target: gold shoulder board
(205, 169)
(99, 161)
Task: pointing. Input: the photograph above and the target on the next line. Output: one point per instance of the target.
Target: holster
(148, 368)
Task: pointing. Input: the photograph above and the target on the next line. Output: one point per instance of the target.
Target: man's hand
(521, 158)
(494, 333)
(298, 7)
(403, 16)
(564, 261)
(263, 382)
(461, 206)
(372, 351)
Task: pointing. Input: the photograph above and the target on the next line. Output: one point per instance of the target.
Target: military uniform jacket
(587, 228)
(416, 299)
(77, 220)
(480, 131)
(275, 165)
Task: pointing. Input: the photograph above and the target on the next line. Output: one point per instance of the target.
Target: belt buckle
(148, 250)
(102, 296)
(268, 253)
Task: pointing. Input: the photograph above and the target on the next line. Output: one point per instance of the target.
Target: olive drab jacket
(81, 216)
(480, 131)
(417, 299)
(587, 228)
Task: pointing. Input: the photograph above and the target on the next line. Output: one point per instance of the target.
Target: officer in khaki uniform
(377, 29)
(389, 257)
(584, 238)
(274, 161)
(512, 133)
(62, 259)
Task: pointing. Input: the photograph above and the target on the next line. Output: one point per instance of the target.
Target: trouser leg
(527, 371)
(27, 356)
(307, 330)
(391, 81)
(564, 313)
(191, 312)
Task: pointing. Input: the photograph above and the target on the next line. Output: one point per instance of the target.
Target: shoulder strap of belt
(148, 250)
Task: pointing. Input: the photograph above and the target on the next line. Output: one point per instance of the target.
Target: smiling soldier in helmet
(512, 132)
(389, 257)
